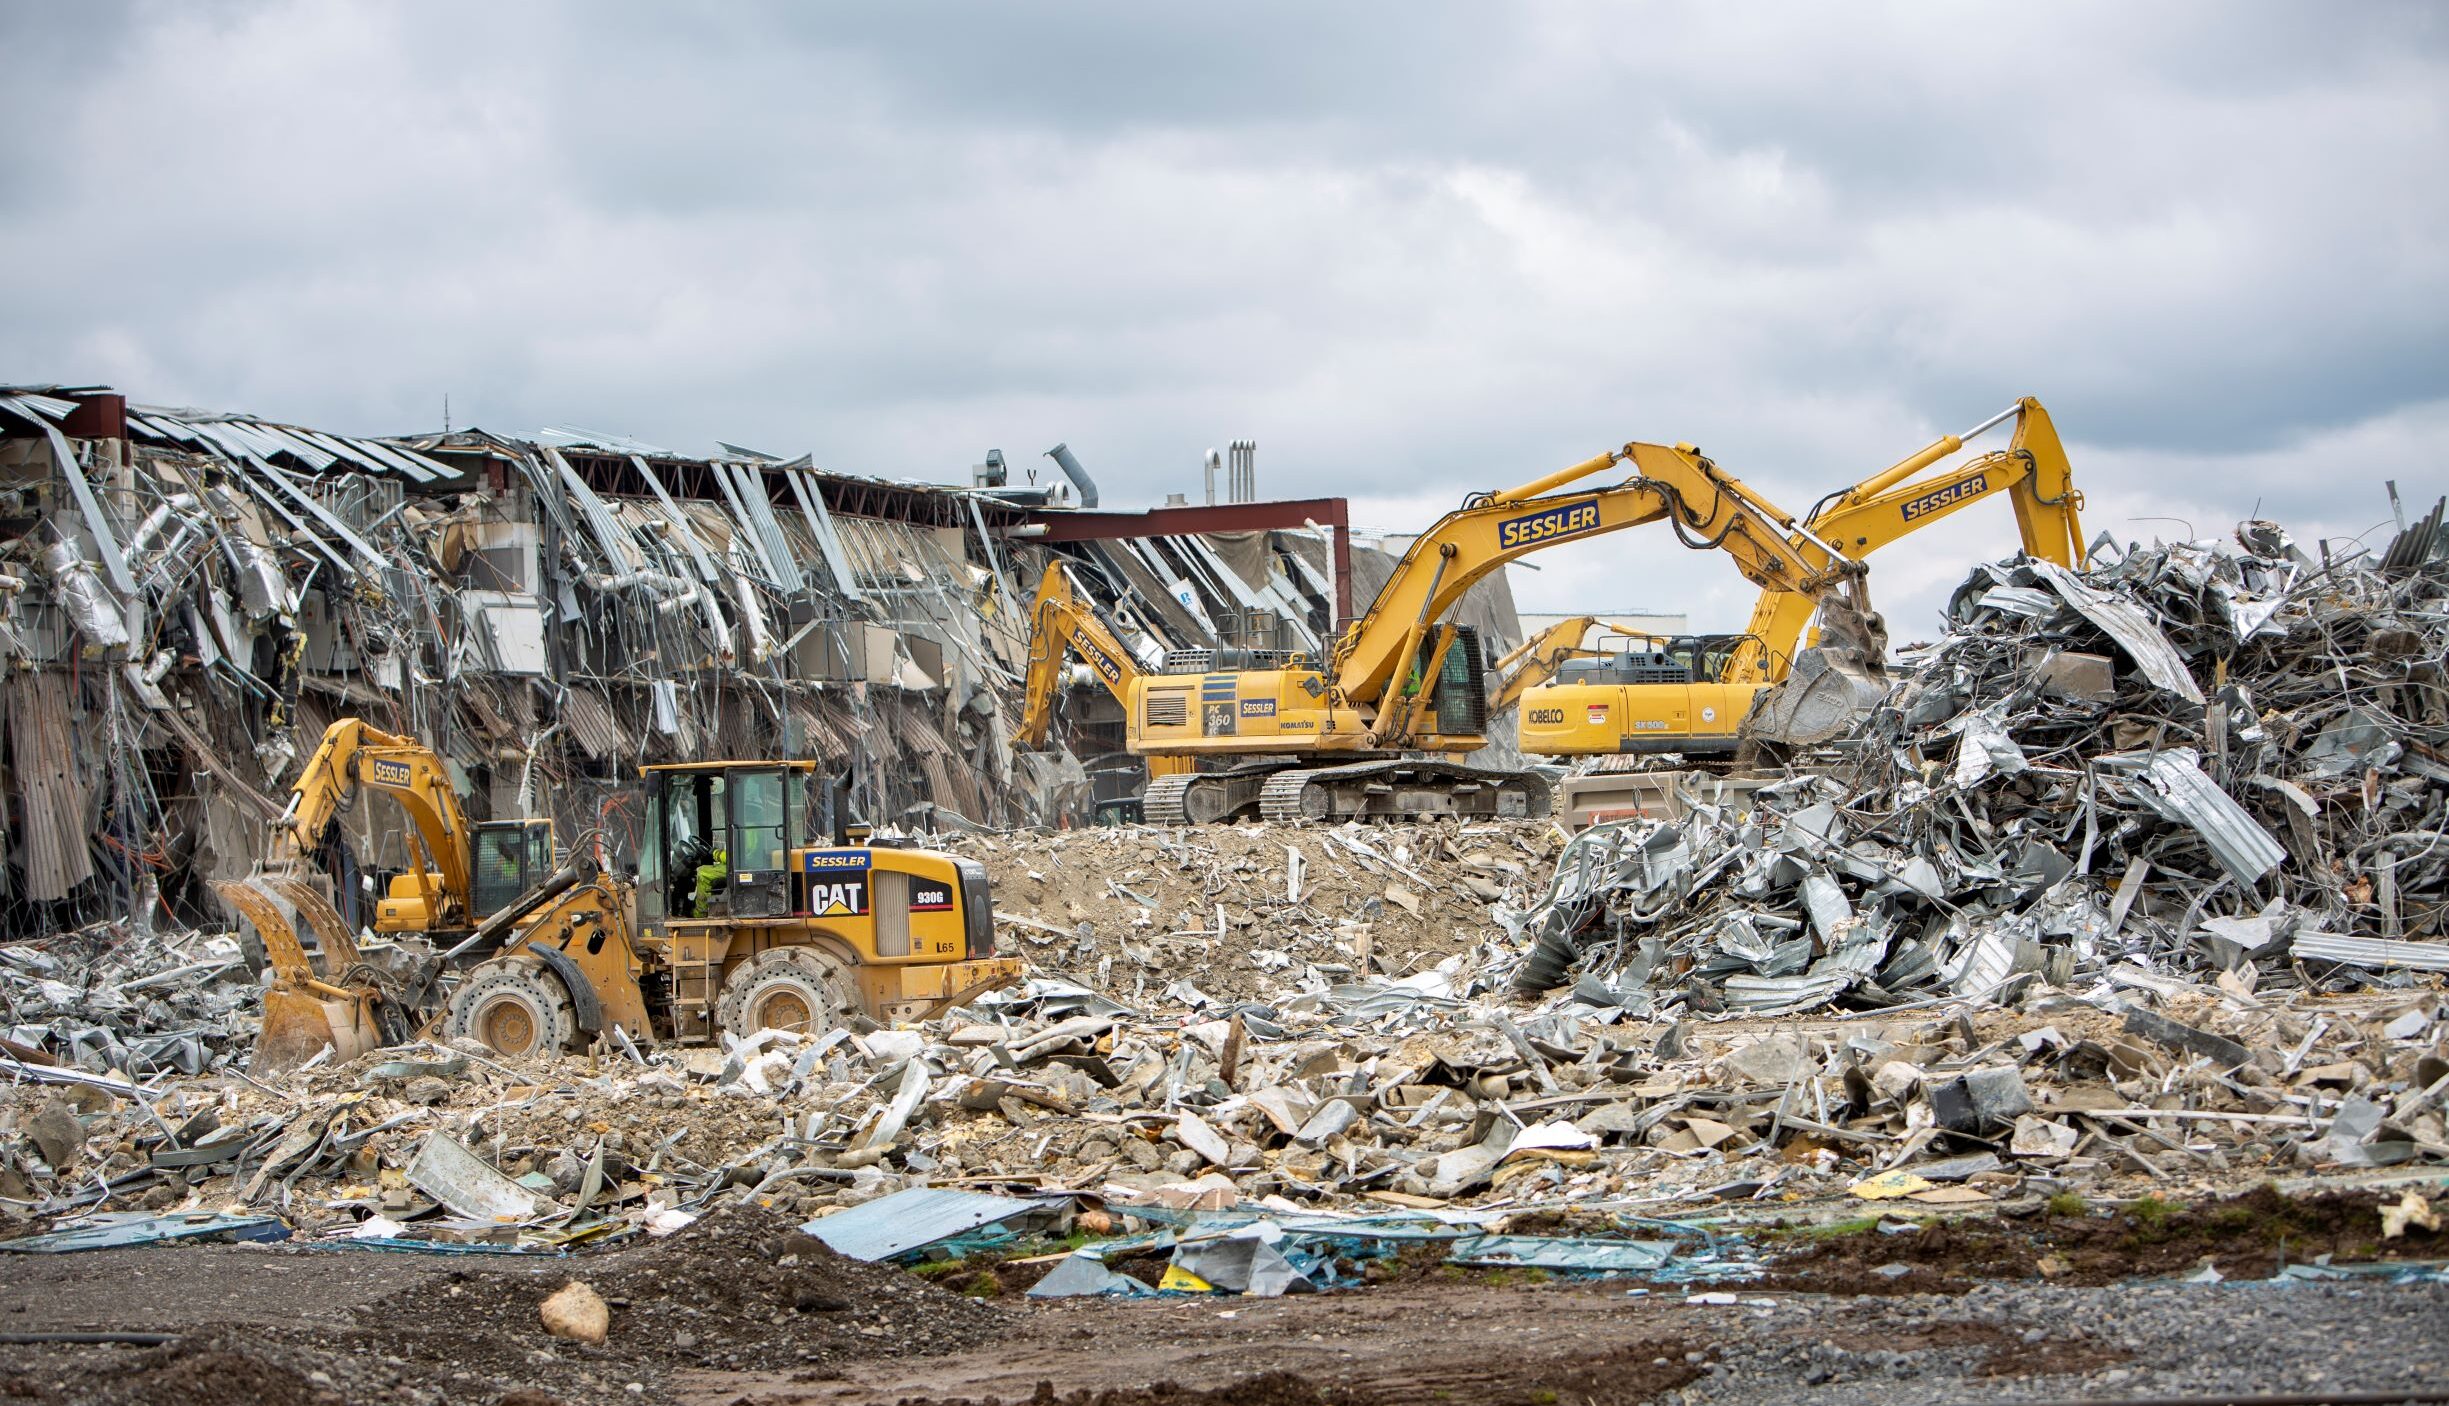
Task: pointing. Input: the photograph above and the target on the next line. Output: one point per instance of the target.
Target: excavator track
(1207, 797)
(1402, 789)
(1161, 803)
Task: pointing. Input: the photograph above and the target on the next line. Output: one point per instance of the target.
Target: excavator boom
(1700, 710)
(1404, 689)
(2032, 471)
(1060, 622)
(1708, 507)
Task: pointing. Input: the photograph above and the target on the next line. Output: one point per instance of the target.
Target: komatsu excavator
(1061, 624)
(1373, 730)
(741, 915)
(1693, 694)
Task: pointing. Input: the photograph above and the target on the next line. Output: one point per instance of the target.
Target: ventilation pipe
(1242, 481)
(1070, 465)
(1215, 461)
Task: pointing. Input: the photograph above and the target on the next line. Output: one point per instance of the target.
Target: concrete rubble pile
(1254, 911)
(2199, 759)
(1433, 1100)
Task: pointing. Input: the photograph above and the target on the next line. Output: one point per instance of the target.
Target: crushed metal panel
(2174, 785)
(2377, 953)
(117, 1230)
(916, 1218)
(97, 522)
(2127, 623)
(462, 1182)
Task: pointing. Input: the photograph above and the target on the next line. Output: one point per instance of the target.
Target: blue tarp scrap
(114, 1230)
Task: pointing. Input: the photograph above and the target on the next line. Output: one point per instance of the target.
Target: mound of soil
(743, 1288)
(2247, 1237)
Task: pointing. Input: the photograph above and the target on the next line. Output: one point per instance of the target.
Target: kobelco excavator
(743, 914)
(1536, 660)
(1693, 694)
(1372, 730)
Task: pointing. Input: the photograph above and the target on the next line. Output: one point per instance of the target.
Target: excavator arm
(353, 753)
(1708, 508)
(1535, 660)
(1060, 622)
(2032, 471)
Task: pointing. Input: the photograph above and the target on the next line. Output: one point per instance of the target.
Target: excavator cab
(510, 857)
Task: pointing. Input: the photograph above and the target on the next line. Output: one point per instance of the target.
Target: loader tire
(798, 989)
(515, 1009)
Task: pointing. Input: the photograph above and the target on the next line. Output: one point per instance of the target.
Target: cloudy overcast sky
(1413, 249)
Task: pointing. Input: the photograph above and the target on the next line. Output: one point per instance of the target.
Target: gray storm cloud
(1413, 250)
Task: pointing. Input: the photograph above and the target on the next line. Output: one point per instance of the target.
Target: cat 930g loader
(743, 914)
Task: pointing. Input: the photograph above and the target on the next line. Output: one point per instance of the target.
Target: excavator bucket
(1830, 688)
(1821, 698)
(303, 1011)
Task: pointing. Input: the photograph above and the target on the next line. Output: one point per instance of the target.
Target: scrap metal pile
(2191, 759)
(116, 996)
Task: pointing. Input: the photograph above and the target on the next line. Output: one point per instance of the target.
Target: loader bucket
(303, 1011)
(297, 1024)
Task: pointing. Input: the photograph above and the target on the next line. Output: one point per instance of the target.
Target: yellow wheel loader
(744, 913)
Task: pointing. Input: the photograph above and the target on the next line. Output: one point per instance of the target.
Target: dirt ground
(742, 1310)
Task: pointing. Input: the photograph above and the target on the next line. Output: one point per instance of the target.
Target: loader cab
(718, 838)
(512, 856)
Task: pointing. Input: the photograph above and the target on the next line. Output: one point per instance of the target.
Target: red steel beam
(1335, 513)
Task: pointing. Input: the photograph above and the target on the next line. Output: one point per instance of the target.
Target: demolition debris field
(2076, 1027)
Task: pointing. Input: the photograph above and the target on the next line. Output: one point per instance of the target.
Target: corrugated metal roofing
(909, 1220)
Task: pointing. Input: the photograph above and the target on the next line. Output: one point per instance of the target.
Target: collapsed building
(188, 598)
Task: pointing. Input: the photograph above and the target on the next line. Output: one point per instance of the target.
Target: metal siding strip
(341, 529)
(114, 561)
(609, 534)
(748, 533)
(828, 541)
(679, 520)
(761, 521)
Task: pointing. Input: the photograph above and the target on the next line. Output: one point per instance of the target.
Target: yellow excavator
(1693, 694)
(1373, 730)
(1536, 660)
(1063, 624)
(743, 914)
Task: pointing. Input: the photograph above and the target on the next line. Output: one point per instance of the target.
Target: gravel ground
(2052, 1344)
(1597, 1345)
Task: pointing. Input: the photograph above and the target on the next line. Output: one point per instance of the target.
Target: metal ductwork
(1242, 477)
(1070, 465)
